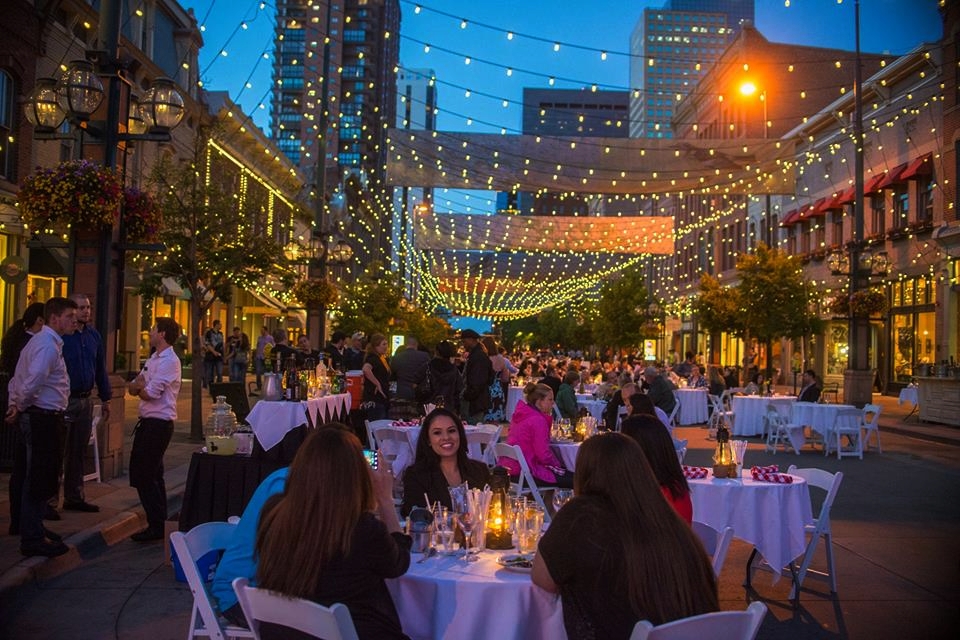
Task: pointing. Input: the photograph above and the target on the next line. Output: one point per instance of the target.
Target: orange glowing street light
(749, 88)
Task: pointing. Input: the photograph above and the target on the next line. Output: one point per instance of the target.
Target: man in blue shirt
(85, 357)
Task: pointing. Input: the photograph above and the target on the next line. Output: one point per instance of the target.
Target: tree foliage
(621, 311)
(374, 303)
(212, 246)
(774, 298)
(718, 307)
(550, 329)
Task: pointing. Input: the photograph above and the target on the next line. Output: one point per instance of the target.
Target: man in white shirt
(157, 387)
(39, 393)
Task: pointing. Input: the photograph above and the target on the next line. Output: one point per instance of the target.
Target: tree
(374, 304)
(621, 310)
(718, 307)
(775, 300)
(212, 245)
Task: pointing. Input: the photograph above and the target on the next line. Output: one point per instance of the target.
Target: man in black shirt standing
(477, 376)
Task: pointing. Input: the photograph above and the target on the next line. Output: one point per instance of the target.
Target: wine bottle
(292, 392)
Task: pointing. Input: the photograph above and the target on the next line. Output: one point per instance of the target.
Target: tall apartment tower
(416, 110)
(670, 49)
(334, 64)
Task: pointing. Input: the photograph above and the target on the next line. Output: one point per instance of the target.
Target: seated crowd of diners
(326, 528)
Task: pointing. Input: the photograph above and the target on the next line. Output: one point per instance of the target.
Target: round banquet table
(770, 516)
(446, 597)
(566, 453)
(693, 406)
(749, 411)
(819, 417)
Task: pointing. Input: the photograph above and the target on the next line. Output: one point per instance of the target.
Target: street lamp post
(857, 378)
(76, 97)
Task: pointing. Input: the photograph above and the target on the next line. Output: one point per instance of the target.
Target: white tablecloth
(749, 412)
(273, 419)
(819, 417)
(769, 516)
(446, 597)
(908, 394)
(566, 453)
(514, 395)
(693, 406)
(594, 407)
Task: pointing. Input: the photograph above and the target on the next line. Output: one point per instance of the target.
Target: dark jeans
(150, 440)
(259, 366)
(212, 369)
(79, 418)
(40, 437)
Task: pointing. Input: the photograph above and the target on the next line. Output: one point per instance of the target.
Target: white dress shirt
(41, 378)
(161, 382)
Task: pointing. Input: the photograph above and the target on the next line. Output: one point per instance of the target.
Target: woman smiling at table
(333, 535)
(530, 429)
(617, 553)
(441, 462)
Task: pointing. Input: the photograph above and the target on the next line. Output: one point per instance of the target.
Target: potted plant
(316, 292)
(141, 215)
(73, 193)
(861, 304)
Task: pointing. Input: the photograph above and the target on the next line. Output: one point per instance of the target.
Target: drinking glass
(529, 523)
(560, 498)
(466, 518)
(565, 427)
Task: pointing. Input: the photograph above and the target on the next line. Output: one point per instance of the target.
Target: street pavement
(896, 520)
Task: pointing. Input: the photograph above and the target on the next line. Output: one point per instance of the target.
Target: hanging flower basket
(862, 304)
(141, 215)
(649, 330)
(316, 292)
(77, 192)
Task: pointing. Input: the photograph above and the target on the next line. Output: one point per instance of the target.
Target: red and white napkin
(694, 473)
(405, 423)
(770, 474)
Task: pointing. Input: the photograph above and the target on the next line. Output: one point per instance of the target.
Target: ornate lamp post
(75, 97)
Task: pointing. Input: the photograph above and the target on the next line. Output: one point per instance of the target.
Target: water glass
(529, 523)
(560, 498)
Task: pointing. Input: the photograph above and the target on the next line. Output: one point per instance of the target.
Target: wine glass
(460, 499)
(560, 498)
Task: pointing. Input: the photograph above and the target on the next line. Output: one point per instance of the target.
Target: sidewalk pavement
(90, 534)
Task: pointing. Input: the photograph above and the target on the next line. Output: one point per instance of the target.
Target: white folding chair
(681, 448)
(870, 423)
(778, 431)
(484, 436)
(190, 547)
(526, 483)
(845, 424)
(394, 446)
(95, 443)
(261, 605)
(819, 528)
(729, 625)
(621, 414)
(715, 543)
(373, 425)
(675, 413)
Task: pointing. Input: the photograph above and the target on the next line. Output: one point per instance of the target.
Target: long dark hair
(425, 455)
(657, 446)
(313, 520)
(668, 573)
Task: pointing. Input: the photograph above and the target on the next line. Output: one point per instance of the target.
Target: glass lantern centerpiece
(498, 518)
(724, 460)
(218, 431)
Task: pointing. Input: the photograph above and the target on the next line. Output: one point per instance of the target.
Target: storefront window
(912, 327)
(42, 288)
(837, 347)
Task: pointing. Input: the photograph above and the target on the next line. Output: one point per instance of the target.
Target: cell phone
(371, 457)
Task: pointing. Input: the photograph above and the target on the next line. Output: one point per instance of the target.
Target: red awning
(790, 217)
(872, 185)
(893, 176)
(922, 166)
(831, 203)
(847, 197)
(806, 212)
(816, 209)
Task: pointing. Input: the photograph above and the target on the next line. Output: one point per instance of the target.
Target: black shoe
(147, 535)
(52, 535)
(51, 514)
(81, 505)
(44, 548)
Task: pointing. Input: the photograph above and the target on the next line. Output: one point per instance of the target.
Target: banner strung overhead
(588, 234)
(589, 165)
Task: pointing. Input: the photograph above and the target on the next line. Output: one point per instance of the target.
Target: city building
(334, 96)
(670, 50)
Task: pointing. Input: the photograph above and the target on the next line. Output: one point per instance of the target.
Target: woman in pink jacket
(530, 429)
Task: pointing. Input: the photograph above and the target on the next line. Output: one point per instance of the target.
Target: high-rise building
(417, 110)
(333, 76)
(573, 113)
(670, 50)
